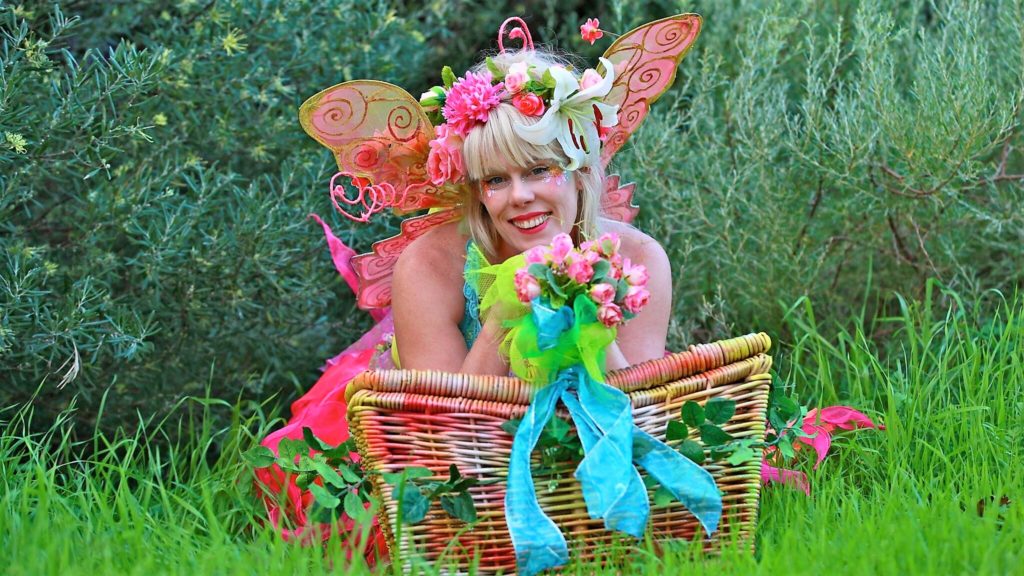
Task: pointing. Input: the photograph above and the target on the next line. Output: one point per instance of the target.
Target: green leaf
(719, 410)
(289, 448)
(786, 449)
(742, 455)
(453, 473)
(330, 475)
(511, 426)
(676, 430)
(447, 77)
(787, 407)
(601, 270)
(323, 497)
(354, 506)
(494, 70)
(459, 506)
(693, 413)
(414, 504)
(259, 456)
(348, 474)
(621, 287)
(548, 80)
(312, 441)
(712, 435)
(662, 497)
(303, 480)
(558, 428)
(692, 450)
(537, 270)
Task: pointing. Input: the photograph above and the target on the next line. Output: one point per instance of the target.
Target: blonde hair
(490, 146)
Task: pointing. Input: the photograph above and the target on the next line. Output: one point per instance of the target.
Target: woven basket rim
(652, 374)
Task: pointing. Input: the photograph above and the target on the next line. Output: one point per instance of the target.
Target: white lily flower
(571, 119)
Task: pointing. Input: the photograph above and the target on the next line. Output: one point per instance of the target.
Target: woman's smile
(529, 206)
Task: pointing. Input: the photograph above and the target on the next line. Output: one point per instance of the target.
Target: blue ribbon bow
(611, 484)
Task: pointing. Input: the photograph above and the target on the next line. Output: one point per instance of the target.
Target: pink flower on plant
(444, 162)
(590, 30)
(561, 247)
(636, 298)
(528, 104)
(580, 271)
(470, 101)
(636, 274)
(517, 77)
(602, 293)
(527, 287)
(590, 78)
(609, 314)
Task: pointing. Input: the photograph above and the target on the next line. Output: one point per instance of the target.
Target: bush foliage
(154, 183)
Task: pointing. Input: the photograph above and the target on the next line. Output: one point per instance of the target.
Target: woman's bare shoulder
(438, 250)
(637, 245)
(429, 274)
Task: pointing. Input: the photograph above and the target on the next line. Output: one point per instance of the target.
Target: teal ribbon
(612, 487)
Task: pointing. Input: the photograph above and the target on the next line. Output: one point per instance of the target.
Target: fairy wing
(378, 131)
(375, 269)
(645, 61)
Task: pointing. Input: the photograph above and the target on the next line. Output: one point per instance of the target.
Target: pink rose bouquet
(560, 273)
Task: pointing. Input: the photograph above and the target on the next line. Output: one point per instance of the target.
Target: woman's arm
(428, 305)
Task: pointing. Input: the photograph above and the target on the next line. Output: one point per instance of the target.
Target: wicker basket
(403, 418)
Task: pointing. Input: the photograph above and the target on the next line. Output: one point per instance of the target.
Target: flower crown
(570, 108)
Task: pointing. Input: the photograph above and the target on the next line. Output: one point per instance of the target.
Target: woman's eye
(495, 182)
(540, 171)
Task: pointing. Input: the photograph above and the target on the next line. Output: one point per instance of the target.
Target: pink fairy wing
(645, 61)
(379, 132)
(617, 201)
(375, 269)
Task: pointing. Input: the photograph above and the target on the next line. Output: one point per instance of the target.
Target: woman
(520, 195)
(516, 154)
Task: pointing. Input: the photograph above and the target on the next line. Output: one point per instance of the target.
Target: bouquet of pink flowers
(560, 273)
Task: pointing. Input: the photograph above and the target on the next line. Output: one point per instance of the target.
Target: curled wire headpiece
(520, 32)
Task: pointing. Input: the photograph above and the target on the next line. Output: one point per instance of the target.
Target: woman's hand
(484, 357)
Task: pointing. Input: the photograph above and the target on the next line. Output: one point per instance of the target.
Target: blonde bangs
(493, 146)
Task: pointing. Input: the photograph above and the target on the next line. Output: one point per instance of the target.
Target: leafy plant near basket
(339, 483)
(785, 417)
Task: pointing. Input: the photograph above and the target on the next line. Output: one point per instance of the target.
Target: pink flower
(444, 162)
(590, 78)
(470, 101)
(616, 261)
(528, 104)
(609, 314)
(590, 30)
(580, 271)
(602, 293)
(538, 255)
(561, 246)
(527, 287)
(636, 299)
(517, 77)
(636, 275)
(609, 243)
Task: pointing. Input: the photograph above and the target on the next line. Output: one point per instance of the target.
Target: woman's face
(530, 205)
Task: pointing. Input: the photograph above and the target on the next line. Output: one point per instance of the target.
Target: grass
(946, 379)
